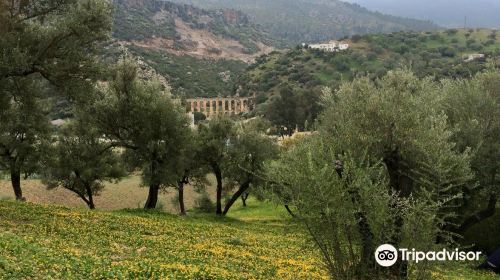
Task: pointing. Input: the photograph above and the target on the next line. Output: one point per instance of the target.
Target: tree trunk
(235, 196)
(218, 176)
(244, 198)
(361, 216)
(403, 186)
(15, 178)
(152, 196)
(182, 208)
(479, 216)
(90, 195)
(289, 211)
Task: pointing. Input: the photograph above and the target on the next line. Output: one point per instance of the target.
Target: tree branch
(480, 215)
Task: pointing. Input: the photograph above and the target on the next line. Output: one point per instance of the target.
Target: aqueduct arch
(220, 105)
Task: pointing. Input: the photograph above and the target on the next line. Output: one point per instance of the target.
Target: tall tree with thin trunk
(141, 117)
(251, 149)
(24, 125)
(216, 139)
(191, 170)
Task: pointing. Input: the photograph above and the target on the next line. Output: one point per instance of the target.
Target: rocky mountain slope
(183, 29)
(199, 52)
(314, 20)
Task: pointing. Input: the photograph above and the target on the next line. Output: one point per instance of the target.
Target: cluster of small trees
(400, 160)
(119, 125)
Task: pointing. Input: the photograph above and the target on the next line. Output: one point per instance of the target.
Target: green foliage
(199, 116)
(192, 77)
(137, 23)
(482, 235)
(247, 154)
(24, 126)
(292, 109)
(53, 40)
(143, 118)
(204, 204)
(347, 216)
(473, 109)
(414, 140)
(385, 151)
(438, 54)
(80, 161)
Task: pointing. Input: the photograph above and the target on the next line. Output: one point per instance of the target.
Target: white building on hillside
(332, 46)
(474, 56)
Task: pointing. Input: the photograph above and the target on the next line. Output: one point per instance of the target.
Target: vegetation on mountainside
(439, 54)
(314, 20)
(192, 77)
(146, 19)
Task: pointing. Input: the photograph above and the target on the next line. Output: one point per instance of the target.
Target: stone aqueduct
(220, 105)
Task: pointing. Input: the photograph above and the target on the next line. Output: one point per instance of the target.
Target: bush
(204, 204)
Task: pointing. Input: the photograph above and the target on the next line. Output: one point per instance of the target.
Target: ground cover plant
(257, 242)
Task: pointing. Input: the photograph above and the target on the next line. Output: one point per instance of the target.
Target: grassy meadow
(43, 241)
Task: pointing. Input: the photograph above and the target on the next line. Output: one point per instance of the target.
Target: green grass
(253, 242)
(54, 242)
(258, 211)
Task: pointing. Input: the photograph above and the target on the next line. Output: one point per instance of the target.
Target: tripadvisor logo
(387, 255)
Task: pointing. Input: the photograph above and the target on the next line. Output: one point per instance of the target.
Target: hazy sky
(449, 13)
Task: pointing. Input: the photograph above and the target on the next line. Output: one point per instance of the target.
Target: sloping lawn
(53, 242)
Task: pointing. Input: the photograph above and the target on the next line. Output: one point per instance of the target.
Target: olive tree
(24, 126)
(81, 162)
(394, 128)
(190, 169)
(215, 138)
(340, 201)
(44, 44)
(250, 150)
(473, 109)
(141, 117)
(55, 40)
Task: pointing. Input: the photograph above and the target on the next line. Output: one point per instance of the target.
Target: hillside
(60, 243)
(438, 53)
(200, 52)
(74, 244)
(184, 29)
(314, 20)
(450, 13)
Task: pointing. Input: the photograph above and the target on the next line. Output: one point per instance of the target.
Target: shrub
(204, 204)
